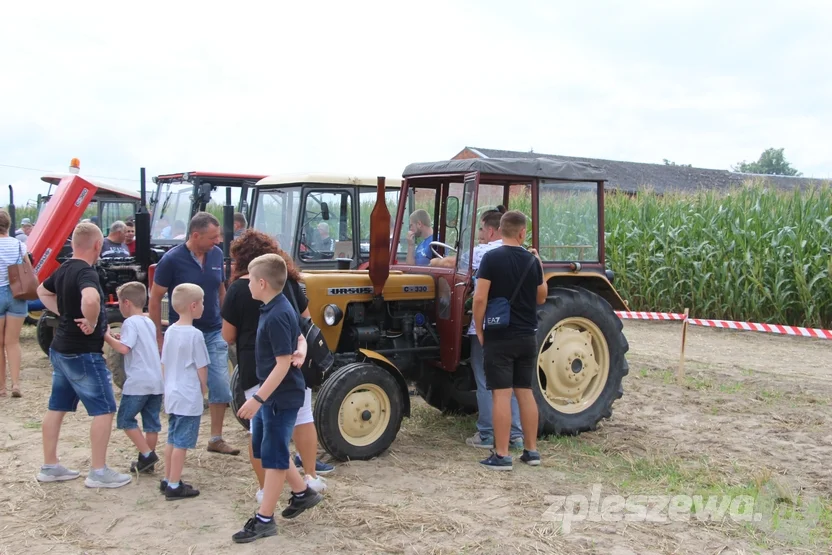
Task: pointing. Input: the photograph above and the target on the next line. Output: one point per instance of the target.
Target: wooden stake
(680, 375)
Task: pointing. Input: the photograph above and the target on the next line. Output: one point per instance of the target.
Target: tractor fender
(595, 283)
(384, 362)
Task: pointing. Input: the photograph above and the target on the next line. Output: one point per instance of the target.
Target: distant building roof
(662, 178)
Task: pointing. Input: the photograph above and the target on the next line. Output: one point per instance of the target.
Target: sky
(367, 87)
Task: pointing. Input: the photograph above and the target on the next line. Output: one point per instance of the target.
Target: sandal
(16, 391)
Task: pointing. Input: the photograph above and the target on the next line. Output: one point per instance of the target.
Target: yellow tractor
(399, 322)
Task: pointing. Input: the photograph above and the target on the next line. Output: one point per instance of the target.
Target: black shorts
(510, 363)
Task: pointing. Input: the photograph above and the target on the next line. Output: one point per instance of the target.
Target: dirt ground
(751, 418)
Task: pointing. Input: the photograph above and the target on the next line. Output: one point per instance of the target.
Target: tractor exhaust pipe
(379, 265)
(142, 222)
(227, 231)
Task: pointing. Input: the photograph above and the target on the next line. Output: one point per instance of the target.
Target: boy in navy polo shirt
(274, 408)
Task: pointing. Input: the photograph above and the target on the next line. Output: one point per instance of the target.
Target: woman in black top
(240, 314)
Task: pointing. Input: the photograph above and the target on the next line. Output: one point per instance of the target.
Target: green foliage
(750, 255)
(669, 163)
(771, 162)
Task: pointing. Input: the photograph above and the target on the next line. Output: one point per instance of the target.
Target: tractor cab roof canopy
(326, 179)
(214, 177)
(498, 169)
(103, 190)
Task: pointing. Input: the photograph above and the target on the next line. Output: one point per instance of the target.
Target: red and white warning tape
(650, 316)
(727, 324)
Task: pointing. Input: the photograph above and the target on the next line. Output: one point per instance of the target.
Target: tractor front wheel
(358, 411)
(581, 361)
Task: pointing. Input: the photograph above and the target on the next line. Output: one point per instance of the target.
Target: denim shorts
(148, 405)
(81, 377)
(271, 431)
(183, 431)
(11, 306)
(219, 380)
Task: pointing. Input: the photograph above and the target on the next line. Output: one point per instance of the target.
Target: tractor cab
(179, 196)
(321, 220)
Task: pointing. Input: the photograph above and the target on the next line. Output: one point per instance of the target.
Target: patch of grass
(734, 387)
(699, 383)
(770, 395)
(747, 372)
(32, 425)
(643, 373)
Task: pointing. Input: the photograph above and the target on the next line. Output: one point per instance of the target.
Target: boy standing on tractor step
(74, 293)
(200, 261)
(511, 272)
(274, 408)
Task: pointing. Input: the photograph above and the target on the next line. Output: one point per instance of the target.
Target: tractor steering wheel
(439, 244)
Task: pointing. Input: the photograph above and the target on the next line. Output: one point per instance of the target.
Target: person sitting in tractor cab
(114, 246)
(420, 227)
(323, 242)
(488, 237)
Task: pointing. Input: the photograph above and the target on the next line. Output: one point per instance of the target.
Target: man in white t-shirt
(489, 237)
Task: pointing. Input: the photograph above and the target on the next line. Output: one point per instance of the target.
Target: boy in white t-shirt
(143, 386)
(185, 366)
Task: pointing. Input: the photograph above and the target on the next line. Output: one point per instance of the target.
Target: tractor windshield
(276, 214)
(172, 212)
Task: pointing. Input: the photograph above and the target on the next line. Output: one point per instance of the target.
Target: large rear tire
(114, 359)
(358, 412)
(439, 390)
(45, 333)
(238, 396)
(581, 361)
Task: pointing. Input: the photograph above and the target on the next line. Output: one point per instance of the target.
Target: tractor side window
(367, 201)
(568, 221)
(520, 198)
(420, 226)
(113, 212)
(326, 231)
(217, 201)
(275, 214)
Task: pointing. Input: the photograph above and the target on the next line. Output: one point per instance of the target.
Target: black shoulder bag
(319, 358)
(498, 310)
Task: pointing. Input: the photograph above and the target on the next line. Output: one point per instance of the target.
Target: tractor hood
(55, 224)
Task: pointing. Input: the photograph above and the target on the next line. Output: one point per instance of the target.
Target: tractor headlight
(332, 314)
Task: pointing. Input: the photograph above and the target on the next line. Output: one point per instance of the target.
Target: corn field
(750, 255)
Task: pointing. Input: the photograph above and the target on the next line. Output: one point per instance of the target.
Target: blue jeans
(11, 306)
(183, 431)
(81, 377)
(271, 432)
(485, 402)
(219, 384)
(149, 406)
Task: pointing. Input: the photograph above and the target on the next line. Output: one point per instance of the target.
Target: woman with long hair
(13, 311)
(240, 314)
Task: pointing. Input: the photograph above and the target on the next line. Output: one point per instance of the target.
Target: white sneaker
(58, 473)
(317, 484)
(259, 496)
(109, 478)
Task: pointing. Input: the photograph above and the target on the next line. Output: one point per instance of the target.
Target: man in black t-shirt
(74, 293)
(512, 273)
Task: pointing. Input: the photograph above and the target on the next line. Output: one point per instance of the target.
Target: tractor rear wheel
(358, 411)
(581, 361)
(45, 333)
(238, 396)
(438, 390)
(114, 359)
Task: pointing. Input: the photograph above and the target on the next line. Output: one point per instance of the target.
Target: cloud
(372, 86)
